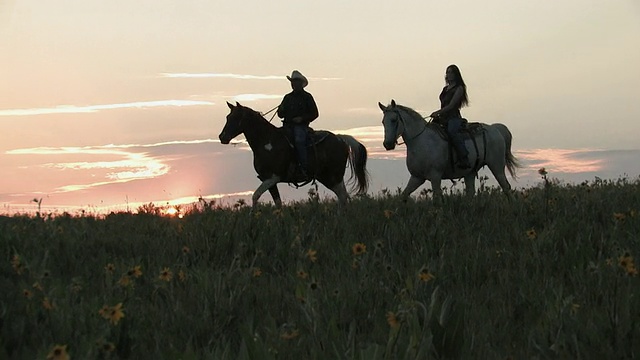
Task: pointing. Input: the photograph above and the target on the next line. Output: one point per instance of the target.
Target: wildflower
(632, 213)
(27, 293)
(108, 347)
(136, 272)
(574, 308)
(626, 262)
(542, 171)
(301, 299)
(619, 216)
(186, 250)
(115, 314)
(313, 285)
(425, 275)
(59, 352)
(47, 304)
(388, 214)
(277, 212)
(76, 286)
(302, 274)
(166, 274)
(46, 274)
(311, 254)
(609, 261)
(104, 311)
(392, 320)
(182, 276)
(358, 249)
(110, 268)
(257, 272)
(17, 264)
(355, 264)
(531, 234)
(289, 335)
(389, 267)
(125, 281)
(379, 245)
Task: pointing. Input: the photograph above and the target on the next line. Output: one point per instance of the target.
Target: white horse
(430, 157)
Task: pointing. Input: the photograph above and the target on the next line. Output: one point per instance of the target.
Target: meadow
(546, 273)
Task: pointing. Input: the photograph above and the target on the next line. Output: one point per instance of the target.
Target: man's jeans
(300, 143)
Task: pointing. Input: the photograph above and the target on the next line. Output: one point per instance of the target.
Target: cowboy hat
(296, 75)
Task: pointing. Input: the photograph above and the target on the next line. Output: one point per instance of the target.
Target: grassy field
(547, 273)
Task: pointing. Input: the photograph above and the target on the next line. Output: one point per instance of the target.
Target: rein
(405, 126)
(267, 113)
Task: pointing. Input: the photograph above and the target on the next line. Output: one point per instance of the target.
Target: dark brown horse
(274, 156)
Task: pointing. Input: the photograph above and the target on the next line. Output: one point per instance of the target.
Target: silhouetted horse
(429, 156)
(274, 158)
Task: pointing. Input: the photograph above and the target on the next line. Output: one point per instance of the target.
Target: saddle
(468, 130)
(313, 138)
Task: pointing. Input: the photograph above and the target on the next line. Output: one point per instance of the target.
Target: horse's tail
(511, 161)
(359, 179)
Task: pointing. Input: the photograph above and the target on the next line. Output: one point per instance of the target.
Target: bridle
(405, 127)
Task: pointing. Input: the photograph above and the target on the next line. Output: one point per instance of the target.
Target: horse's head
(393, 124)
(233, 126)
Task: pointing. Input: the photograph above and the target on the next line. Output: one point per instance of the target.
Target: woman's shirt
(445, 98)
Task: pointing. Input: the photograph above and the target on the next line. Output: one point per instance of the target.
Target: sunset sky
(112, 104)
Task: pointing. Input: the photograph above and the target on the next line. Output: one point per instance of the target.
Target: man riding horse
(298, 109)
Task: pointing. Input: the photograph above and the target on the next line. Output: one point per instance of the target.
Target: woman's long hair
(460, 81)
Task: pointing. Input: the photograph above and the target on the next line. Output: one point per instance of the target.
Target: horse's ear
(393, 103)
(382, 107)
(238, 104)
(230, 105)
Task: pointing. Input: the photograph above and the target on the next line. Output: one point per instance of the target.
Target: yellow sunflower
(289, 335)
(166, 274)
(182, 276)
(125, 281)
(115, 314)
(311, 254)
(17, 264)
(136, 272)
(59, 352)
(302, 274)
(392, 319)
(110, 268)
(359, 249)
(426, 276)
(531, 234)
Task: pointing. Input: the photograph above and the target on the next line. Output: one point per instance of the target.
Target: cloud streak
(73, 109)
(128, 166)
(236, 76)
(254, 97)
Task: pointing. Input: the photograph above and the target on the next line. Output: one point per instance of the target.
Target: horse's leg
(470, 184)
(341, 192)
(412, 185)
(266, 184)
(498, 173)
(275, 194)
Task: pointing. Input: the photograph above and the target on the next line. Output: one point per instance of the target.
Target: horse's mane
(410, 111)
(257, 114)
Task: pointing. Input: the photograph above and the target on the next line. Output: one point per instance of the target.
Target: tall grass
(545, 273)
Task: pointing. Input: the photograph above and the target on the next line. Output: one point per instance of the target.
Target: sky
(111, 104)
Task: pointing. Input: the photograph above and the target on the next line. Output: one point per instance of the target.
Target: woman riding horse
(452, 98)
